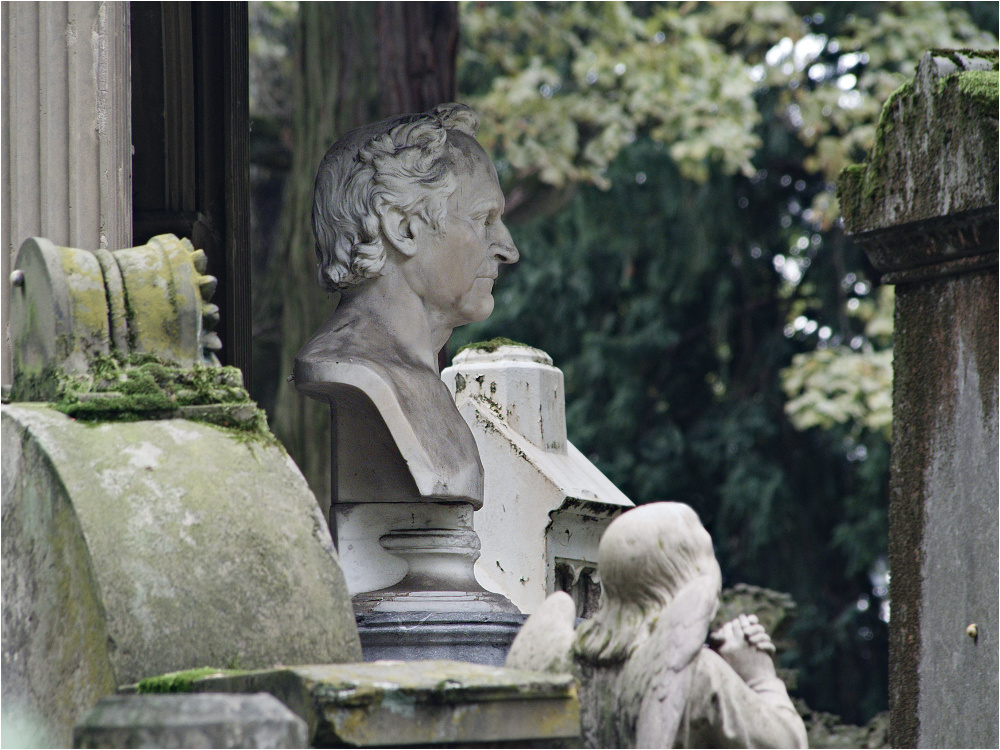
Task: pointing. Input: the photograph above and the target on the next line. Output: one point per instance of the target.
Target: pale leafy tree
(845, 386)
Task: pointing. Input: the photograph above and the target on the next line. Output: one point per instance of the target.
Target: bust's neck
(389, 300)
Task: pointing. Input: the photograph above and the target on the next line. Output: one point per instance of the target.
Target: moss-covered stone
(980, 86)
(490, 346)
(56, 660)
(72, 306)
(417, 703)
(935, 151)
(145, 386)
(183, 681)
(205, 549)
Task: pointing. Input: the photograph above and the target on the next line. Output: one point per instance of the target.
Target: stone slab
(190, 720)
(420, 703)
(944, 543)
(924, 207)
(207, 548)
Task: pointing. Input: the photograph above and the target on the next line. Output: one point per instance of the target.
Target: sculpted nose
(502, 247)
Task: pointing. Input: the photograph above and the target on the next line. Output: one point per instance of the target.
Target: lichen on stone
(490, 346)
(945, 116)
(981, 86)
(862, 186)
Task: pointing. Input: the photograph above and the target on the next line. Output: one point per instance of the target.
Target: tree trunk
(356, 63)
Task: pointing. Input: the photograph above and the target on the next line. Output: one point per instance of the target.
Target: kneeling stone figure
(647, 676)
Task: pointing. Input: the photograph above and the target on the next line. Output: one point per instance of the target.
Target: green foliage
(841, 386)
(700, 78)
(723, 343)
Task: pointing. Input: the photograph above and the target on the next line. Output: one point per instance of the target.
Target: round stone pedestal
(477, 637)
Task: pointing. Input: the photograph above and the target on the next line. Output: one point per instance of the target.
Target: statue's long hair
(645, 557)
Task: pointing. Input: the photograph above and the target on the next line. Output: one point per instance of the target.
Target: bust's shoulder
(338, 338)
(366, 357)
(339, 346)
(323, 364)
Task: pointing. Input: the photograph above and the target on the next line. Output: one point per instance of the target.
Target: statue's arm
(545, 641)
(736, 699)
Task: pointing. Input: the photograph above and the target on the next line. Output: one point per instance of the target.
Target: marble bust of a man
(407, 218)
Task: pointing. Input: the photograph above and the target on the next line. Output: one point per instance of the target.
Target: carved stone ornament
(408, 231)
(650, 672)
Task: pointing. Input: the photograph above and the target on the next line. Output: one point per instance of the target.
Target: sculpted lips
(490, 274)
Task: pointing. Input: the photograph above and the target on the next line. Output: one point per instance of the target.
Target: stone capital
(924, 202)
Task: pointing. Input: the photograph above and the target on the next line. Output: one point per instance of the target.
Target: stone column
(924, 206)
(67, 165)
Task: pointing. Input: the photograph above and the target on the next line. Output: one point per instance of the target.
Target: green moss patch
(181, 682)
(143, 386)
(490, 346)
(981, 87)
(862, 187)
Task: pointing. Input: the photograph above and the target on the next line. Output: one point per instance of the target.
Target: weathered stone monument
(646, 677)
(924, 206)
(395, 703)
(151, 523)
(220, 721)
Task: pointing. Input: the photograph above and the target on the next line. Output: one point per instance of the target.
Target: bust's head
(422, 185)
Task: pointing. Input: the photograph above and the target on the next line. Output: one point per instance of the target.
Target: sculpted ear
(401, 228)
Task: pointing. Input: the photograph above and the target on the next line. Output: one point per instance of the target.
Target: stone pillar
(67, 164)
(924, 206)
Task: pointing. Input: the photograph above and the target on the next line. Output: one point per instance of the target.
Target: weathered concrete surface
(420, 703)
(55, 644)
(197, 721)
(935, 152)
(946, 422)
(924, 206)
(207, 547)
